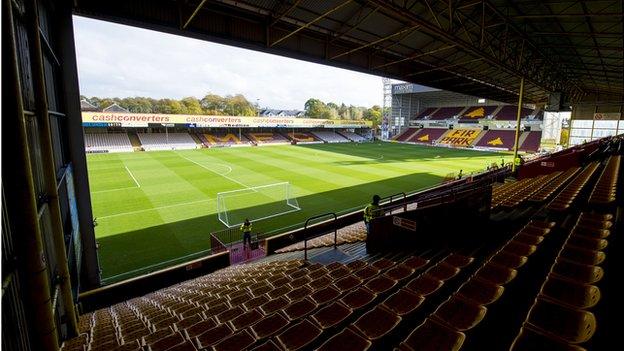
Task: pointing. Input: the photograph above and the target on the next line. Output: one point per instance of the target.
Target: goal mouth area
(255, 203)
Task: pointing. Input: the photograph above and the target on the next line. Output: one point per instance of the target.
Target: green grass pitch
(158, 208)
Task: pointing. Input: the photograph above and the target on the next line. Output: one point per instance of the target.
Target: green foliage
(234, 105)
(315, 108)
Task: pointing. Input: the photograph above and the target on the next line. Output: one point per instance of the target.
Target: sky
(122, 61)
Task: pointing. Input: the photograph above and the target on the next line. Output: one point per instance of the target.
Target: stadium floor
(155, 209)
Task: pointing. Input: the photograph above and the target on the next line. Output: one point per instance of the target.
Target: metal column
(518, 116)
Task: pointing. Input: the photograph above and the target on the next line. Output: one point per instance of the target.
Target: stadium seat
(331, 315)
(366, 273)
(460, 314)
(212, 336)
(480, 291)
(587, 243)
(166, 342)
(443, 271)
(239, 341)
(185, 346)
(198, 328)
(433, 336)
(346, 340)
(358, 298)
(325, 295)
(415, 262)
(269, 326)
(299, 309)
(376, 323)
(255, 302)
(570, 293)
(519, 249)
(380, 285)
(320, 283)
(347, 283)
(496, 274)
(299, 336)
(301, 292)
(269, 345)
(573, 326)
(509, 260)
(528, 239)
(400, 272)
(458, 261)
(580, 273)
(530, 339)
(403, 302)
(244, 320)
(582, 256)
(230, 314)
(424, 285)
(274, 305)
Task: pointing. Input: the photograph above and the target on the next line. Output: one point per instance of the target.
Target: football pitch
(155, 209)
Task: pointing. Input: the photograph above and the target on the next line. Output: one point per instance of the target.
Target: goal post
(255, 203)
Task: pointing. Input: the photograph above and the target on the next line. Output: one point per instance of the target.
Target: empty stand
(224, 139)
(330, 137)
(427, 135)
(499, 139)
(261, 138)
(406, 134)
(446, 113)
(510, 113)
(107, 142)
(426, 113)
(353, 136)
(166, 141)
(301, 137)
(532, 142)
(475, 113)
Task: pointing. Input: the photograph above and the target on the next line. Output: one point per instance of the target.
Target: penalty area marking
(133, 178)
(224, 175)
(155, 208)
(229, 169)
(110, 190)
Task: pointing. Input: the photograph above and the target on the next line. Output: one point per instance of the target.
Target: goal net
(255, 203)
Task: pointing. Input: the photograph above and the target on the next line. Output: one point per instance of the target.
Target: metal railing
(305, 237)
(391, 205)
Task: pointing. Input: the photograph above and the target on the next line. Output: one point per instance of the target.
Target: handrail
(305, 235)
(391, 197)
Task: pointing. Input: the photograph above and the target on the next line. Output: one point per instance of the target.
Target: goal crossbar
(256, 203)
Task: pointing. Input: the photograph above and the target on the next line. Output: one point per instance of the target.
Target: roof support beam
(445, 67)
(372, 43)
(415, 56)
(329, 12)
(285, 13)
(195, 12)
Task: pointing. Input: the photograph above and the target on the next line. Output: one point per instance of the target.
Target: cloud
(121, 61)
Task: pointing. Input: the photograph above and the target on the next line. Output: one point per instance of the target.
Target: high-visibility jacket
(372, 211)
(246, 228)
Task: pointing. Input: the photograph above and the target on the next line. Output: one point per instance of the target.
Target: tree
(192, 105)
(374, 114)
(238, 105)
(213, 104)
(315, 108)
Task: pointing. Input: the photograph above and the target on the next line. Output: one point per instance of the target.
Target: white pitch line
(133, 178)
(118, 189)
(155, 208)
(213, 171)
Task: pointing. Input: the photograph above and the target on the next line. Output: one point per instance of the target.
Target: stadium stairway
(198, 141)
(134, 140)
